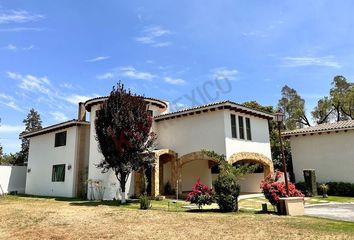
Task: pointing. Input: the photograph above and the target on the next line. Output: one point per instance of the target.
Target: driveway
(337, 211)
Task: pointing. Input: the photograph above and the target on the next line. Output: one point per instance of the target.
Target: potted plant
(324, 189)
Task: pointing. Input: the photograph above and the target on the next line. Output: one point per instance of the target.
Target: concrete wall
(331, 155)
(250, 183)
(260, 136)
(43, 155)
(13, 178)
(194, 169)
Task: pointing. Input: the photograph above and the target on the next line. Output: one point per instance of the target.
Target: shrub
(145, 202)
(273, 189)
(340, 189)
(200, 195)
(168, 189)
(227, 191)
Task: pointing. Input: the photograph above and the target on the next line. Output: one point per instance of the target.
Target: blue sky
(56, 53)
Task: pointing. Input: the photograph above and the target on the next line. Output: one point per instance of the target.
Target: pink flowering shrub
(273, 189)
(200, 195)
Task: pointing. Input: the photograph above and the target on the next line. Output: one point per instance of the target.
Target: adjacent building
(326, 148)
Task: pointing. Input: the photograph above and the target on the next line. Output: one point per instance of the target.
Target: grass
(334, 199)
(50, 218)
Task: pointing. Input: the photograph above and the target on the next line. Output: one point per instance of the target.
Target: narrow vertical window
(241, 127)
(233, 126)
(248, 129)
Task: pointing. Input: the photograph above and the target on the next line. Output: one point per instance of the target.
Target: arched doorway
(250, 183)
(163, 170)
(191, 166)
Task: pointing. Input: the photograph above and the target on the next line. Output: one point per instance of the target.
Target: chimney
(81, 116)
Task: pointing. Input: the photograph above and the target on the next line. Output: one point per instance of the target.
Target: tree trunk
(122, 181)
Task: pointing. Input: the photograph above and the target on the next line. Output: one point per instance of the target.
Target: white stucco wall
(250, 183)
(43, 155)
(260, 136)
(13, 178)
(331, 155)
(192, 133)
(194, 169)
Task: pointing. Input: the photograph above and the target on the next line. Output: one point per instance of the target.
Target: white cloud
(66, 85)
(9, 101)
(162, 44)
(107, 75)
(18, 16)
(225, 73)
(59, 116)
(153, 35)
(31, 83)
(11, 128)
(75, 99)
(174, 81)
(10, 47)
(14, 48)
(21, 29)
(327, 61)
(97, 59)
(131, 72)
(30, 47)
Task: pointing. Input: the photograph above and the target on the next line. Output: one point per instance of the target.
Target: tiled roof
(89, 102)
(55, 127)
(222, 104)
(326, 127)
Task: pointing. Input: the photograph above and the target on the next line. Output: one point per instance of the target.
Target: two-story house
(63, 157)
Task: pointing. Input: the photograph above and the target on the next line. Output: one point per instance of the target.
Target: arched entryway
(250, 183)
(191, 166)
(163, 170)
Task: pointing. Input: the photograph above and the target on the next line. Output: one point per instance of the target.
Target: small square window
(60, 139)
(58, 173)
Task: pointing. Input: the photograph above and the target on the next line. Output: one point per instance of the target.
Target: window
(233, 126)
(248, 129)
(58, 173)
(60, 139)
(150, 113)
(241, 127)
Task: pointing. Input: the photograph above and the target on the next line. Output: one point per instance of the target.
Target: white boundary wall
(13, 178)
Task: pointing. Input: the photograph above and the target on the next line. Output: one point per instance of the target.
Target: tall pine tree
(32, 123)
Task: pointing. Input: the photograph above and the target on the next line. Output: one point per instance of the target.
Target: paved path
(337, 211)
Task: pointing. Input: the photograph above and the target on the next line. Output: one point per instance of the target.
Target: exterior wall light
(28, 170)
(69, 167)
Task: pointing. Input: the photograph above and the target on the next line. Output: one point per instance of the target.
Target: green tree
(123, 132)
(32, 123)
(338, 95)
(339, 105)
(9, 159)
(293, 106)
(323, 111)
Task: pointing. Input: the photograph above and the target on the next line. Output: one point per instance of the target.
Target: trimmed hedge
(344, 189)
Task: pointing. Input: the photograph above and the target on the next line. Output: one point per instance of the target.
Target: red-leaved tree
(123, 131)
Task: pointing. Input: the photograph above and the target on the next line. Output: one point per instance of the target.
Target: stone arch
(194, 156)
(254, 158)
(190, 157)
